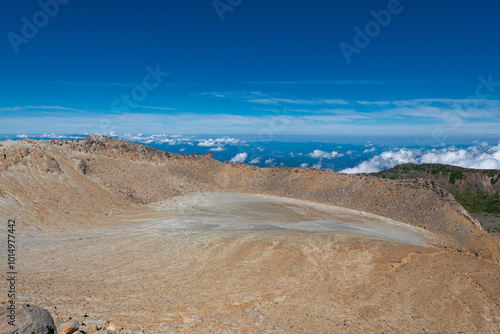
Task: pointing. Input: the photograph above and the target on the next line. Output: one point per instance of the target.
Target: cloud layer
(318, 154)
(479, 156)
(271, 114)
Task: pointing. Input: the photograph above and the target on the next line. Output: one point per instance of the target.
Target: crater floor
(250, 212)
(215, 262)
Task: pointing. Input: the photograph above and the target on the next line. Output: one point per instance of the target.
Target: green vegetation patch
(456, 175)
(476, 202)
(414, 167)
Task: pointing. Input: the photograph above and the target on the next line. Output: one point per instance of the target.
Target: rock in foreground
(29, 319)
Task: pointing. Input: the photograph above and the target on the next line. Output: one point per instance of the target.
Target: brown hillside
(67, 182)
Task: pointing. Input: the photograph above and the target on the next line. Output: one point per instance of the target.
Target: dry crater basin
(212, 262)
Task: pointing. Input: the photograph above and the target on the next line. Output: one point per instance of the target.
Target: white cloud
(478, 156)
(207, 143)
(219, 142)
(156, 139)
(217, 149)
(58, 136)
(269, 162)
(318, 154)
(256, 160)
(373, 149)
(304, 165)
(240, 157)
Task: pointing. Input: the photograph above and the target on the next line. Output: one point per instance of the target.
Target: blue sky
(426, 69)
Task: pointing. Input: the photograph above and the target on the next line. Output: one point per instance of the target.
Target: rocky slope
(477, 190)
(452, 178)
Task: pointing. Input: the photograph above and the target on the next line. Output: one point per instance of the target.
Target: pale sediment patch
(223, 211)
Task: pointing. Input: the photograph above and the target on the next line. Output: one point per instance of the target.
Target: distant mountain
(477, 190)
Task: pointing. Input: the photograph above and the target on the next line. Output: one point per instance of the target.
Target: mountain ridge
(101, 176)
(477, 190)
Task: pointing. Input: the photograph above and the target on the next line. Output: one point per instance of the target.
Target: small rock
(69, 327)
(51, 165)
(111, 327)
(82, 167)
(98, 325)
(79, 312)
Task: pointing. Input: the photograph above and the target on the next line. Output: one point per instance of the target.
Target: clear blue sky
(272, 65)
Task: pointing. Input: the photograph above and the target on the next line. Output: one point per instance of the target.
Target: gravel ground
(249, 263)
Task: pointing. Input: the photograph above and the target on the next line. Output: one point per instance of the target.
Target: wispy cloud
(440, 102)
(413, 117)
(374, 103)
(125, 84)
(156, 108)
(105, 84)
(268, 99)
(256, 160)
(194, 123)
(245, 95)
(334, 82)
(432, 108)
(39, 108)
(299, 101)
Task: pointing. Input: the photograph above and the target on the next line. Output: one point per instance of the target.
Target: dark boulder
(29, 319)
